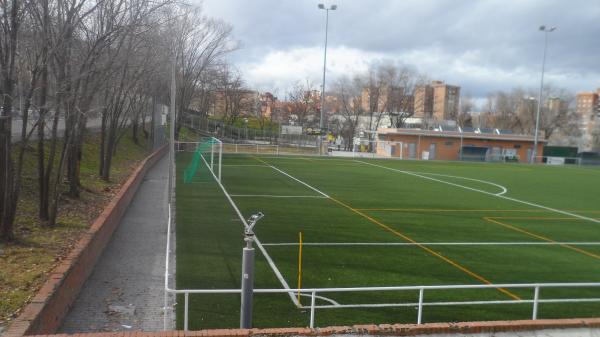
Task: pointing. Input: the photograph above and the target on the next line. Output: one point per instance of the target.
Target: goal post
(209, 151)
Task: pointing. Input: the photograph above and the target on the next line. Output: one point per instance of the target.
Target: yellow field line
(541, 237)
(409, 239)
(464, 210)
(427, 249)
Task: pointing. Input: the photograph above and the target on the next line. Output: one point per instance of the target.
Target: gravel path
(126, 290)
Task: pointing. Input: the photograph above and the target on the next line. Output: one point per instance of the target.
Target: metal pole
(247, 285)
(420, 312)
(186, 311)
(172, 130)
(220, 158)
(537, 116)
(536, 296)
(324, 69)
(312, 309)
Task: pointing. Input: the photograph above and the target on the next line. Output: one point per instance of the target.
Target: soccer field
(369, 223)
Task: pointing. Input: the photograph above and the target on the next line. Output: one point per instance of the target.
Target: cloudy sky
(482, 46)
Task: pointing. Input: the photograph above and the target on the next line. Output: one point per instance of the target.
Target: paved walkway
(126, 290)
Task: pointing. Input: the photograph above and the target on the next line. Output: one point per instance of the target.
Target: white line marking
(244, 165)
(485, 192)
(504, 190)
(278, 196)
(298, 180)
(256, 240)
(525, 243)
(326, 299)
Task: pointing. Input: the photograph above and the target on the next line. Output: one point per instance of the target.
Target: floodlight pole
(321, 121)
(248, 273)
(537, 116)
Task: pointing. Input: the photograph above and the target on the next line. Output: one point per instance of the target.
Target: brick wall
(376, 330)
(45, 313)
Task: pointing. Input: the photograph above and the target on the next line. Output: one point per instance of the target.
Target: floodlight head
(333, 7)
(321, 6)
(542, 27)
(552, 29)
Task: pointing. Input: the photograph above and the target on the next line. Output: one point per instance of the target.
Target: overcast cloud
(483, 46)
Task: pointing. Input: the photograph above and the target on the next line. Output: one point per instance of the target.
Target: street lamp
(546, 30)
(332, 7)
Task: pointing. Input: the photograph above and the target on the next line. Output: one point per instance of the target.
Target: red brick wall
(45, 313)
(376, 330)
(449, 148)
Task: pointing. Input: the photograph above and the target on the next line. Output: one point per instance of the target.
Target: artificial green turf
(209, 236)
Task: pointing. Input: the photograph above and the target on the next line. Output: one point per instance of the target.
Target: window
(449, 143)
(517, 146)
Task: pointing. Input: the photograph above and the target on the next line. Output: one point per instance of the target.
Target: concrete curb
(45, 313)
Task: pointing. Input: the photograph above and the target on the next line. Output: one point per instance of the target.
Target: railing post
(277, 149)
(256, 148)
(312, 309)
(185, 311)
(236, 149)
(420, 310)
(536, 297)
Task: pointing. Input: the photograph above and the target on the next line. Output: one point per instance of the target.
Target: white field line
(528, 243)
(244, 165)
(256, 240)
(486, 192)
(298, 180)
(277, 196)
(504, 190)
(319, 297)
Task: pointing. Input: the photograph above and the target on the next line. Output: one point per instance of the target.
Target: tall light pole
(332, 7)
(539, 105)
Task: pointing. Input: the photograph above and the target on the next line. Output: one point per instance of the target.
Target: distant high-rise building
(423, 102)
(446, 99)
(588, 109)
(437, 100)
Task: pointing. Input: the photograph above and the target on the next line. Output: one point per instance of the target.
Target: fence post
(312, 309)
(536, 296)
(420, 312)
(236, 150)
(277, 149)
(185, 311)
(256, 148)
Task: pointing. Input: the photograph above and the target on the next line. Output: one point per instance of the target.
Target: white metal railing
(420, 304)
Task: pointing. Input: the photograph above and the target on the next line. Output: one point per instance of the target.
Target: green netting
(197, 162)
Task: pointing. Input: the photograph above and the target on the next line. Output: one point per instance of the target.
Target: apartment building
(588, 109)
(437, 101)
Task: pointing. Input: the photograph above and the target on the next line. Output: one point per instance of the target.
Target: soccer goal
(207, 152)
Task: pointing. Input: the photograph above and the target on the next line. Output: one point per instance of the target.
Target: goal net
(208, 154)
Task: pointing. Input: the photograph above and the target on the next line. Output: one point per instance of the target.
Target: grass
(373, 204)
(25, 263)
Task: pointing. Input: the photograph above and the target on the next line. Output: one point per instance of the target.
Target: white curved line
(319, 297)
(504, 189)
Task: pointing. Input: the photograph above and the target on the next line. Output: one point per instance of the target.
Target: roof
(473, 134)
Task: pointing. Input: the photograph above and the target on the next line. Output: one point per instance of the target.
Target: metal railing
(419, 304)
